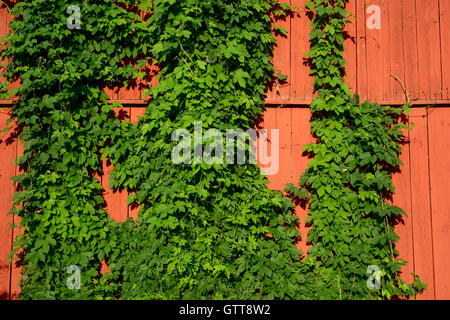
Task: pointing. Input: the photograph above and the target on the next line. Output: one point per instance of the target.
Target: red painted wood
(411, 63)
(396, 53)
(301, 83)
(15, 268)
(135, 113)
(420, 215)
(8, 149)
(429, 51)
(284, 125)
(439, 152)
(361, 58)
(377, 53)
(444, 21)
(301, 136)
(115, 199)
(282, 61)
(402, 198)
(350, 52)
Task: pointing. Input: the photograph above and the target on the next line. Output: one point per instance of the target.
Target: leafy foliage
(350, 177)
(203, 231)
(66, 118)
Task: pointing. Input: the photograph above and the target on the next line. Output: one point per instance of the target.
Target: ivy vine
(349, 180)
(204, 231)
(65, 117)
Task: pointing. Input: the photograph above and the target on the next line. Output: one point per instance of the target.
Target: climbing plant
(204, 230)
(349, 180)
(65, 118)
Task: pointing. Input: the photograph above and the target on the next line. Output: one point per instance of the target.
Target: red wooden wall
(412, 44)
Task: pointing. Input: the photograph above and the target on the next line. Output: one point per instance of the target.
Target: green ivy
(65, 120)
(349, 179)
(203, 231)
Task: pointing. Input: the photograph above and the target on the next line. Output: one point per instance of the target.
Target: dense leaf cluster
(349, 179)
(64, 117)
(204, 231)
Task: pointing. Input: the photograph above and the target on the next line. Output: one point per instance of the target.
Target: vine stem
(405, 90)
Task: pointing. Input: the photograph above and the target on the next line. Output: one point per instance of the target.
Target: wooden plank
(351, 47)
(269, 123)
(301, 81)
(16, 266)
(409, 26)
(439, 153)
(402, 199)
(420, 201)
(280, 91)
(135, 112)
(377, 52)
(396, 58)
(130, 92)
(284, 125)
(361, 50)
(429, 50)
(8, 149)
(301, 136)
(115, 199)
(112, 94)
(444, 6)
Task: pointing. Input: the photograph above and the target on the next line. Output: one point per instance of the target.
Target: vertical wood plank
(429, 50)
(16, 267)
(301, 81)
(420, 201)
(284, 125)
(378, 53)
(396, 58)
(135, 112)
(280, 91)
(269, 123)
(444, 7)
(130, 92)
(301, 136)
(402, 199)
(361, 50)
(8, 149)
(351, 47)
(410, 43)
(115, 199)
(439, 153)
